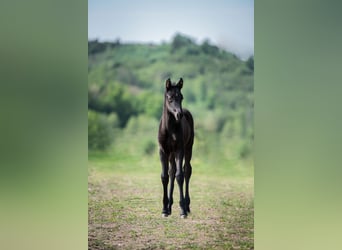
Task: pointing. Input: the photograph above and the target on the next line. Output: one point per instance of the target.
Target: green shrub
(149, 147)
(142, 124)
(151, 104)
(244, 149)
(100, 131)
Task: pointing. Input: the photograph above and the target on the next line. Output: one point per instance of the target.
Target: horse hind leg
(187, 175)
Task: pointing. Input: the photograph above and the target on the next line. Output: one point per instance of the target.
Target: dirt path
(125, 213)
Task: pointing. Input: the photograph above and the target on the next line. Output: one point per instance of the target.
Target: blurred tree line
(126, 86)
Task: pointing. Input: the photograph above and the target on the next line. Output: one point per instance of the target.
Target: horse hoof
(165, 215)
(183, 216)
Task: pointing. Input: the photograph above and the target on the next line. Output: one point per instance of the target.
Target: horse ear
(168, 83)
(180, 83)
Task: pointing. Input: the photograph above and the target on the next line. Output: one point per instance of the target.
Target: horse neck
(168, 122)
(165, 117)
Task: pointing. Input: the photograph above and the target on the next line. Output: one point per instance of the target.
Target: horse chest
(173, 137)
(174, 140)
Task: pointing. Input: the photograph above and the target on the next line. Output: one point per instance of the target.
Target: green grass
(125, 205)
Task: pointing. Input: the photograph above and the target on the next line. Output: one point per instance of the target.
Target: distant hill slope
(127, 80)
(213, 78)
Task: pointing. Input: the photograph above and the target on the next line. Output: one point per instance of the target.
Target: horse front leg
(165, 181)
(172, 173)
(180, 181)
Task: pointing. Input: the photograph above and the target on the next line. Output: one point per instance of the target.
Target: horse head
(173, 99)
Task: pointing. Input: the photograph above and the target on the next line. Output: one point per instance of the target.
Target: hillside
(125, 95)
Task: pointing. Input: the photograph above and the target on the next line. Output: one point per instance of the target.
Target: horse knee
(180, 177)
(165, 179)
(172, 172)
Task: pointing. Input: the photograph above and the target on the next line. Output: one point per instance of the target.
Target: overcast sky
(227, 23)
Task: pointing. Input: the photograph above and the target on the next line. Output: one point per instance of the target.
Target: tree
(113, 98)
(207, 48)
(180, 41)
(250, 63)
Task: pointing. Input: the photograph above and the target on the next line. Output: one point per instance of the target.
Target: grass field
(125, 202)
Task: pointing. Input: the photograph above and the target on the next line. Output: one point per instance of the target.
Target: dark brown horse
(175, 137)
